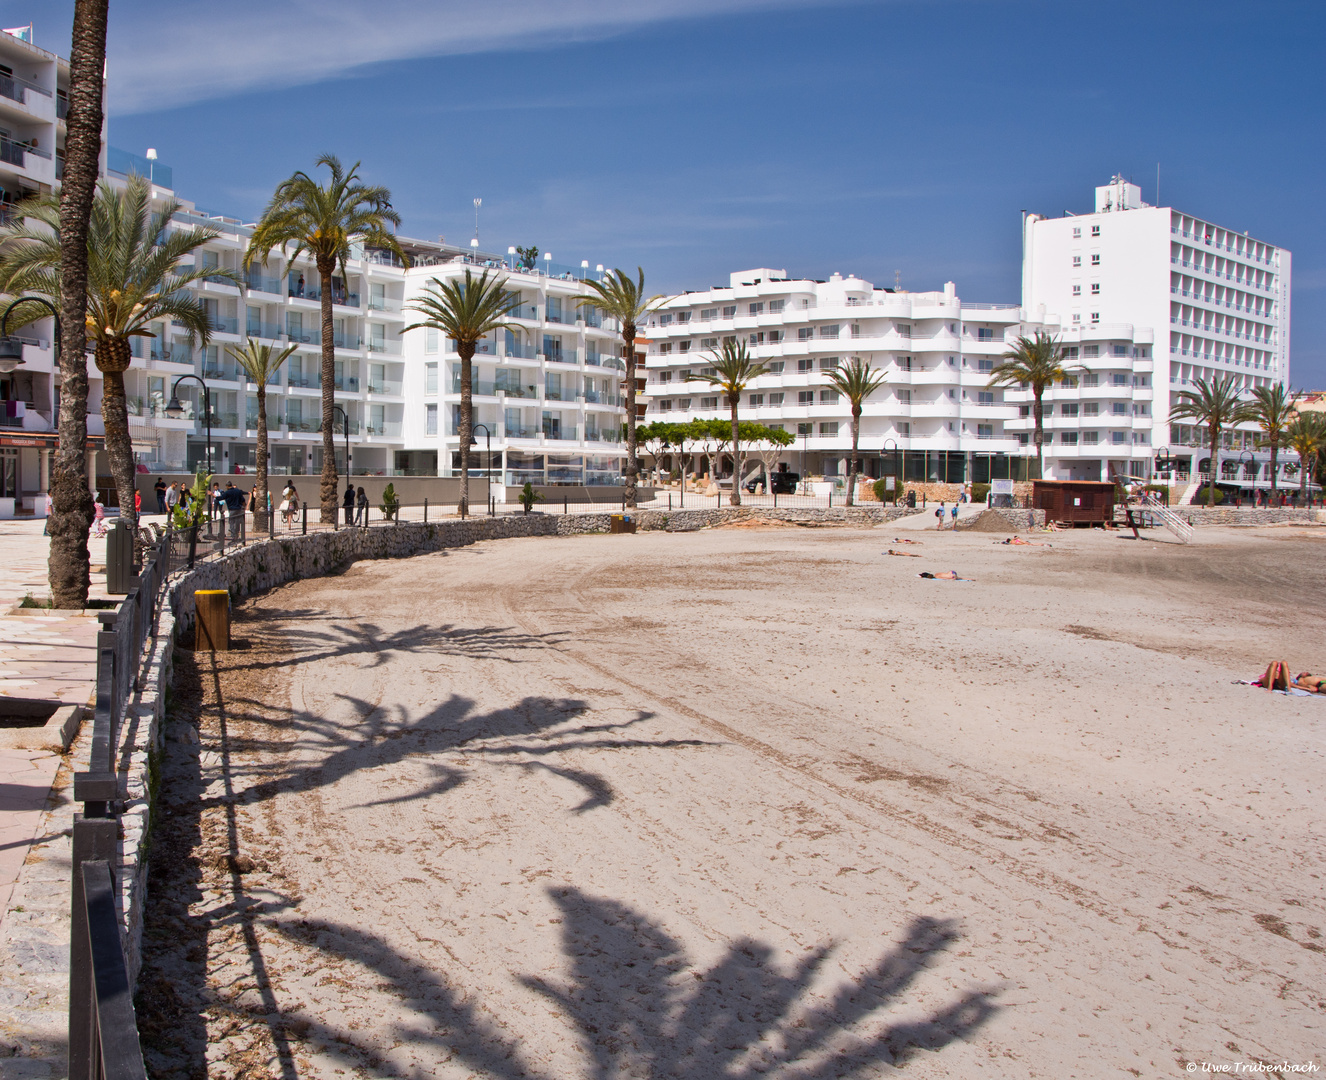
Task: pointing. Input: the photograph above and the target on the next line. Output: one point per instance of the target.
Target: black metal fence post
(564, 504)
(304, 508)
(425, 514)
(94, 840)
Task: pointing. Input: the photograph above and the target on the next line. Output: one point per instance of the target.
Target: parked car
(780, 483)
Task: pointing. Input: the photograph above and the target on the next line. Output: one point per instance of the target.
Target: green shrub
(528, 497)
(980, 492)
(882, 494)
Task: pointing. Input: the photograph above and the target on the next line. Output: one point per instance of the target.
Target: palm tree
(1037, 362)
(734, 370)
(260, 362)
(68, 567)
(620, 298)
(1215, 403)
(325, 222)
(466, 313)
(134, 278)
(1306, 436)
(856, 382)
(1272, 409)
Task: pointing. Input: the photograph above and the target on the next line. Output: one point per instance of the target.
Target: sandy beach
(751, 802)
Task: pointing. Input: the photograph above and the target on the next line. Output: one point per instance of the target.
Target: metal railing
(103, 1032)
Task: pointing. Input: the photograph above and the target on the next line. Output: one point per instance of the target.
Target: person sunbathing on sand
(904, 554)
(1315, 684)
(945, 575)
(1017, 541)
(899, 540)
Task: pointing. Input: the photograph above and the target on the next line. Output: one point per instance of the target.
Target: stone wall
(1228, 515)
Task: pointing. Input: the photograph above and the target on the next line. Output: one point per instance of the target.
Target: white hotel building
(1142, 299)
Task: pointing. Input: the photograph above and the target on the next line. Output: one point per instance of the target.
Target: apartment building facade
(1217, 299)
(936, 418)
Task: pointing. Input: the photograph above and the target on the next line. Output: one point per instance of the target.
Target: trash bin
(911, 500)
(621, 523)
(119, 559)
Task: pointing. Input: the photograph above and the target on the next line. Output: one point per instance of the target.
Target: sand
(752, 803)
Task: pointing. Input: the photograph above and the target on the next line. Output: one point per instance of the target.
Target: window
(830, 331)
(775, 399)
(757, 309)
(1024, 411)
(755, 339)
(1076, 318)
(1070, 382)
(708, 313)
(985, 431)
(430, 419)
(665, 348)
(1118, 378)
(829, 363)
(663, 320)
(1077, 233)
(776, 306)
(805, 364)
(1141, 408)
(775, 336)
(1095, 289)
(1095, 260)
(903, 329)
(709, 403)
(1070, 353)
(430, 339)
(1068, 438)
(775, 367)
(684, 403)
(1047, 437)
(1091, 408)
(828, 397)
(1077, 290)
(1142, 438)
(1077, 260)
(775, 427)
(1095, 317)
(903, 395)
(1068, 408)
(805, 397)
(709, 343)
(830, 427)
(905, 429)
(683, 346)
(985, 397)
(985, 365)
(1142, 380)
(756, 400)
(1095, 230)
(683, 316)
(1090, 438)
(905, 363)
(1118, 438)
(805, 333)
(1090, 378)
(1119, 408)
(985, 333)
(430, 379)
(665, 376)
(730, 311)
(1047, 409)
(805, 429)
(684, 374)
(665, 405)
(1023, 438)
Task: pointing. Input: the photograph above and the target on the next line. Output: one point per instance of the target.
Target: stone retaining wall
(1229, 515)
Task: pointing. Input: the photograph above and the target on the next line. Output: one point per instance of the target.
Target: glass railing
(383, 303)
(314, 292)
(566, 393)
(12, 153)
(301, 424)
(225, 324)
(271, 331)
(309, 380)
(381, 345)
(522, 352)
(561, 358)
(565, 434)
(593, 397)
(219, 420)
(385, 428)
(516, 390)
(274, 422)
(347, 384)
(384, 387)
(222, 372)
(522, 432)
(307, 335)
(178, 354)
(261, 283)
(342, 340)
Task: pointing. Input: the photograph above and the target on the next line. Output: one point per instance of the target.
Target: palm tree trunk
(735, 500)
(1303, 469)
(1215, 449)
(632, 470)
(327, 490)
(119, 448)
(1275, 457)
(1038, 410)
(466, 433)
(851, 465)
(260, 518)
(71, 502)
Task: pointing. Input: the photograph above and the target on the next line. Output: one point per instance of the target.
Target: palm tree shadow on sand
(640, 1007)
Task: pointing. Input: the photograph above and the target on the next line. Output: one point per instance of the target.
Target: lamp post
(547, 263)
(805, 440)
(11, 349)
(511, 254)
(175, 410)
(584, 269)
(488, 444)
(897, 480)
(1252, 461)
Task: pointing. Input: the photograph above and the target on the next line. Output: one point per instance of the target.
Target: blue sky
(695, 138)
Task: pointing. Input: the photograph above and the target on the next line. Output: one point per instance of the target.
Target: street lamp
(805, 439)
(488, 443)
(547, 263)
(11, 349)
(511, 254)
(897, 479)
(346, 418)
(151, 165)
(584, 269)
(175, 410)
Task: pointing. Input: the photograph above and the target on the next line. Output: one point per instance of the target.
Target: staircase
(1192, 490)
(1167, 517)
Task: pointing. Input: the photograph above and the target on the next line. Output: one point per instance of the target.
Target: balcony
(17, 89)
(381, 345)
(382, 386)
(223, 420)
(522, 432)
(346, 384)
(309, 380)
(384, 303)
(270, 331)
(274, 422)
(223, 372)
(388, 429)
(313, 292)
(224, 324)
(261, 283)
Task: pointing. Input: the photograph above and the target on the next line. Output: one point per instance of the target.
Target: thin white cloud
(166, 55)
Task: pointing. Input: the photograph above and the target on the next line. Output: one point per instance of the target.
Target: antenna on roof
(897, 280)
(477, 203)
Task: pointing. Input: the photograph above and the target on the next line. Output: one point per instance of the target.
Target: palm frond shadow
(308, 636)
(640, 1007)
(453, 728)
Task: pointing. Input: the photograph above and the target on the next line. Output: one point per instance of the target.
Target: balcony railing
(348, 384)
(384, 387)
(222, 372)
(384, 303)
(382, 345)
(314, 292)
(271, 331)
(385, 428)
(219, 420)
(225, 324)
(263, 284)
(274, 422)
(309, 380)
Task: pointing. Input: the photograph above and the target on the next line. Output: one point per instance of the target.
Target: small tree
(734, 370)
(1306, 436)
(707, 443)
(528, 497)
(773, 441)
(656, 438)
(1037, 362)
(856, 382)
(260, 362)
(1216, 405)
(527, 257)
(683, 437)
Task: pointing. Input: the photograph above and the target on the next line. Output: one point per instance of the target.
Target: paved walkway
(43, 657)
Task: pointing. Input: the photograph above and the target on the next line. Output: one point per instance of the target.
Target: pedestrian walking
(362, 502)
(953, 515)
(231, 501)
(349, 503)
(939, 516)
(160, 489)
(172, 497)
